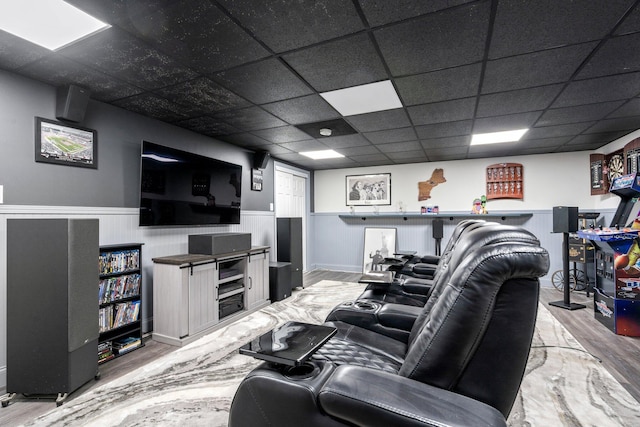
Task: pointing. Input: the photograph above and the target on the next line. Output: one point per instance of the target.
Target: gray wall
(120, 133)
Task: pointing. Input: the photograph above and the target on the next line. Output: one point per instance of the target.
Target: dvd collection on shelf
(120, 314)
(115, 288)
(119, 261)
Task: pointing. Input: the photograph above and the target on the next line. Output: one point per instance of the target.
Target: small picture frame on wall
(379, 243)
(368, 190)
(63, 144)
(256, 180)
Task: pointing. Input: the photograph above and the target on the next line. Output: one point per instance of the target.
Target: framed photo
(63, 144)
(365, 190)
(256, 179)
(379, 243)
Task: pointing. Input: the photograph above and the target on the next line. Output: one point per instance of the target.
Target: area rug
(194, 386)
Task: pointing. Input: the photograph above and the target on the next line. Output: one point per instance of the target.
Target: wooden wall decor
(632, 156)
(505, 181)
(425, 187)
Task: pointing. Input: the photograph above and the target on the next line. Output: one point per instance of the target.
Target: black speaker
(437, 225)
(565, 219)
(260, 159)
(279, 281)
(71, 103)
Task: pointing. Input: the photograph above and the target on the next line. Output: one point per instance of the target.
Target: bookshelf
(120, 300)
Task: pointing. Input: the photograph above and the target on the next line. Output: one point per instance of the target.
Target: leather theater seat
(461, 362)
(417, 292)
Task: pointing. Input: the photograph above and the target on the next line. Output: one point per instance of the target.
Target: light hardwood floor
(619, 354)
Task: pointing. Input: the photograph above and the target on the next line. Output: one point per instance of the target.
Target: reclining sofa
(457, 361)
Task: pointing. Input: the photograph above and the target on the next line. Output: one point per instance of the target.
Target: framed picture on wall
(379, 243)
(365, 190)
(63, 144)
(256, 179)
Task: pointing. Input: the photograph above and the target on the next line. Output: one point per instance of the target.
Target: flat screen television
(181, 188)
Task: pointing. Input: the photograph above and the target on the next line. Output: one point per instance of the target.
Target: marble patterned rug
(194, 386)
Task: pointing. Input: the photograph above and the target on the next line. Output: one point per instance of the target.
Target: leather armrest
(398, 316)
(424, 269)
(430, 259)
(363, 396)
(416, 285)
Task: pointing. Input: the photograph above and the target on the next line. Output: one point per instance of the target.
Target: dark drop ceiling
(250, 72)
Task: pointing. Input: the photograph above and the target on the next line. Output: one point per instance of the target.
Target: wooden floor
(619, 355)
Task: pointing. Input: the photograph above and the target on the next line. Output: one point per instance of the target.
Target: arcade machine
(617, 261)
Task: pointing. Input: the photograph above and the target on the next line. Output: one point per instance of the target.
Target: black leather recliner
(461, 363)
(418, 291)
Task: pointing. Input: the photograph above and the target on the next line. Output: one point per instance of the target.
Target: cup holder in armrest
(365, 305)
(303, 371)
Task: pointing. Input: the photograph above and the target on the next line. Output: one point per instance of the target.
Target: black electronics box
(219, 243)
(565, 219)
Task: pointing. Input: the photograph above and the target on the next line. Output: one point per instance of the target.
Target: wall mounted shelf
(442, 215)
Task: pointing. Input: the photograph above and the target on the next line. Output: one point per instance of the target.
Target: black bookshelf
(120, 300)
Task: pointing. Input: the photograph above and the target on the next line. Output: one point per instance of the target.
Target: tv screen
(181, 188)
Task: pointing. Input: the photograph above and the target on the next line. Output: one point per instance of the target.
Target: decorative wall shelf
(505, 181)
(442, 215)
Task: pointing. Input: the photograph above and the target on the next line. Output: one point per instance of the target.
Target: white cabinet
(196, 294)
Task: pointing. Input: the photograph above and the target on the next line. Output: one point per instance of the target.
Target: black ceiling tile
(371, 122)
(127, 58)
(438, 112)
(285, 25)
(617, 124)
(250, 119)
(445, 157)
(617, 55)
(452, 83)
(414, 156)
(580, 113)
(154, 106)
(579, 147)
(599, 90)
(399, 146)
(59, 71)
(391, 135)
(522, 71)
(301, 110)
(597, 138)
(379, 12)
(440, 153)
(517, 101)
(631, 24)
(442, 143)
(365, 150)
(339, 64)
(630, 108)
(440, 130)
(340, 162)
(506, 122)
(440, 40)
(16, 52)
(263, 82)
(375, 157)
(546, 142)
(200, 34)
(207, 126)
(204, 95)
(337, 127)
(245, 139)
(523, 26)
(279, 150)
(281, 134)
(345, 141)
(558, 130)
(306, 145)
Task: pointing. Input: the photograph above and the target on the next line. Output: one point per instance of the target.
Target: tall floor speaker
(52, 305)
(289, 246)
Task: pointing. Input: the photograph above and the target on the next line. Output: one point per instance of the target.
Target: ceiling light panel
(363, 99)
(322, 154)
(497, 137)
(49, 23)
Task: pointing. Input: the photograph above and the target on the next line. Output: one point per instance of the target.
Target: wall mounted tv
(181, 188)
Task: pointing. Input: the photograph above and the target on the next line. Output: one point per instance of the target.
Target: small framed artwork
(63, 144)
(256, 179)
(365, 190)
(379, 243)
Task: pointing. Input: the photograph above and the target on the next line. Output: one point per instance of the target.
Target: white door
(291, 201)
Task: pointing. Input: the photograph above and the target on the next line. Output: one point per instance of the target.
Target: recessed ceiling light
(497, 137)
(326, 132)
(322, 154)
(49, 23)
(363, 99)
